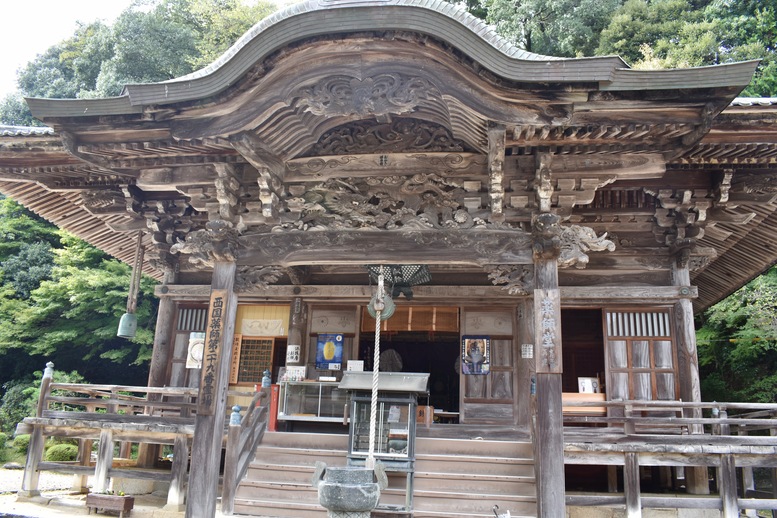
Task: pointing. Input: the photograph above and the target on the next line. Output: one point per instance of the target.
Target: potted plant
(110, 501)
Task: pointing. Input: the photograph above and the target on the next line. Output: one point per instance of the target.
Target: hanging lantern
(128, 325)
(401, 277)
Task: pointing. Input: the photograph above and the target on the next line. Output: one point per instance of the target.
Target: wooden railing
(243, 437)
(148, 416)
(734, 438)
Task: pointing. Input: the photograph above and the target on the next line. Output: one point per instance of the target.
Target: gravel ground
(11, 481)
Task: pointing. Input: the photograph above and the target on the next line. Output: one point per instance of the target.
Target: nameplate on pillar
(547, 331)
(211, 359)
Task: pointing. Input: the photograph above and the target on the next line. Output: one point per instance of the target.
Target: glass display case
(312, 401)
(394, 429)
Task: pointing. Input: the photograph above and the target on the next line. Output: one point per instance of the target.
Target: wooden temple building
(564, 219)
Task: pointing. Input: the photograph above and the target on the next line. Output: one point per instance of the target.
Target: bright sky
(32, 26)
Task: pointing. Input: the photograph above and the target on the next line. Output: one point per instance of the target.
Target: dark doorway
(583, 349)
(435, 353)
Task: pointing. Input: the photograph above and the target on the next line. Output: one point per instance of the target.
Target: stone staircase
(454, 478)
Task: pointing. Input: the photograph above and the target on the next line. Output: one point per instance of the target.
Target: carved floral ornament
(379, 95)
(400, 135)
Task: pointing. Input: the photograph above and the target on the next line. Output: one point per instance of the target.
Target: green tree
(557, 28)
(737, 344)
(25, 271)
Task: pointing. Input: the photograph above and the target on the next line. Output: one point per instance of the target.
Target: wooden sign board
(547, 331)
(211, 360)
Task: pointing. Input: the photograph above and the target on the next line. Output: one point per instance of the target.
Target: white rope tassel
(379, 305)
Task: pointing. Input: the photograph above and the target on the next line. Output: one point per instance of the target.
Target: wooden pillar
(296, 339)
(104, 461)
(631, 486)
(176, 494)
(547, 352)
(160, 357)
(696, 478)
(212, 399)
(525, 368)
(727, 482)
(35, 448)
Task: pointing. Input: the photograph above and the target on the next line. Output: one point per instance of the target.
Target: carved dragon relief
(377, 96)
(253, 278)
(421, 201)
(570, 244)
(218, 242)
(518, 279)
(405, 135)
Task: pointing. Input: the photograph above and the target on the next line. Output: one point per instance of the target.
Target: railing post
(104, 461)
(631, 485)
(176, 495)
(628, 423)
(727, 482)
(231, 459)
(35, 448)
(748, 481)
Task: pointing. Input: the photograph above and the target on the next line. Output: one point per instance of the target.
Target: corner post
(35, 448)
(547, 331)
(212, 399)
(697, 480)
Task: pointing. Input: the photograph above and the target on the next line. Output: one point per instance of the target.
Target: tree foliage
(556, 28)
(737, 344)
(152, 40)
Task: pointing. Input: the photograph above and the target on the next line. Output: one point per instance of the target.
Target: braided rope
(370, 463)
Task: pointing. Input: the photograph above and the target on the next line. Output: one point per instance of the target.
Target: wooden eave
(249, 133)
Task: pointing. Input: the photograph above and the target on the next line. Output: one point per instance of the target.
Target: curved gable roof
(435, 18)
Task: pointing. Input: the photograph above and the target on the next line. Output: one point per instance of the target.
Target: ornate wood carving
(518, 279)
(496, 172)
(479, 246)
(418, 202)
(391, 164)
(252, 278)
(400, 135)
(568, 243)
(218, 242)
(382, 94)
(542, 182)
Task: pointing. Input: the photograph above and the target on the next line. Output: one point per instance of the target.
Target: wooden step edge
(270, 484)
(258, 464)
(424, 493)
(273, 504)
(451, 514)
(299, 451)
(476, 476)
(473, 458)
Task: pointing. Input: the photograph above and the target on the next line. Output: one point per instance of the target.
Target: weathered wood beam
(452, 165)
(405, 247)
(621, 294)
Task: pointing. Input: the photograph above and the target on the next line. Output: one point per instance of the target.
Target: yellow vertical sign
(211, 358)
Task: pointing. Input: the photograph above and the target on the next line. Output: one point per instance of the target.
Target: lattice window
(641, 357)
(254, 355)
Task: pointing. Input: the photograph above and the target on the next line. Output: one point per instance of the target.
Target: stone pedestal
(347, 492)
